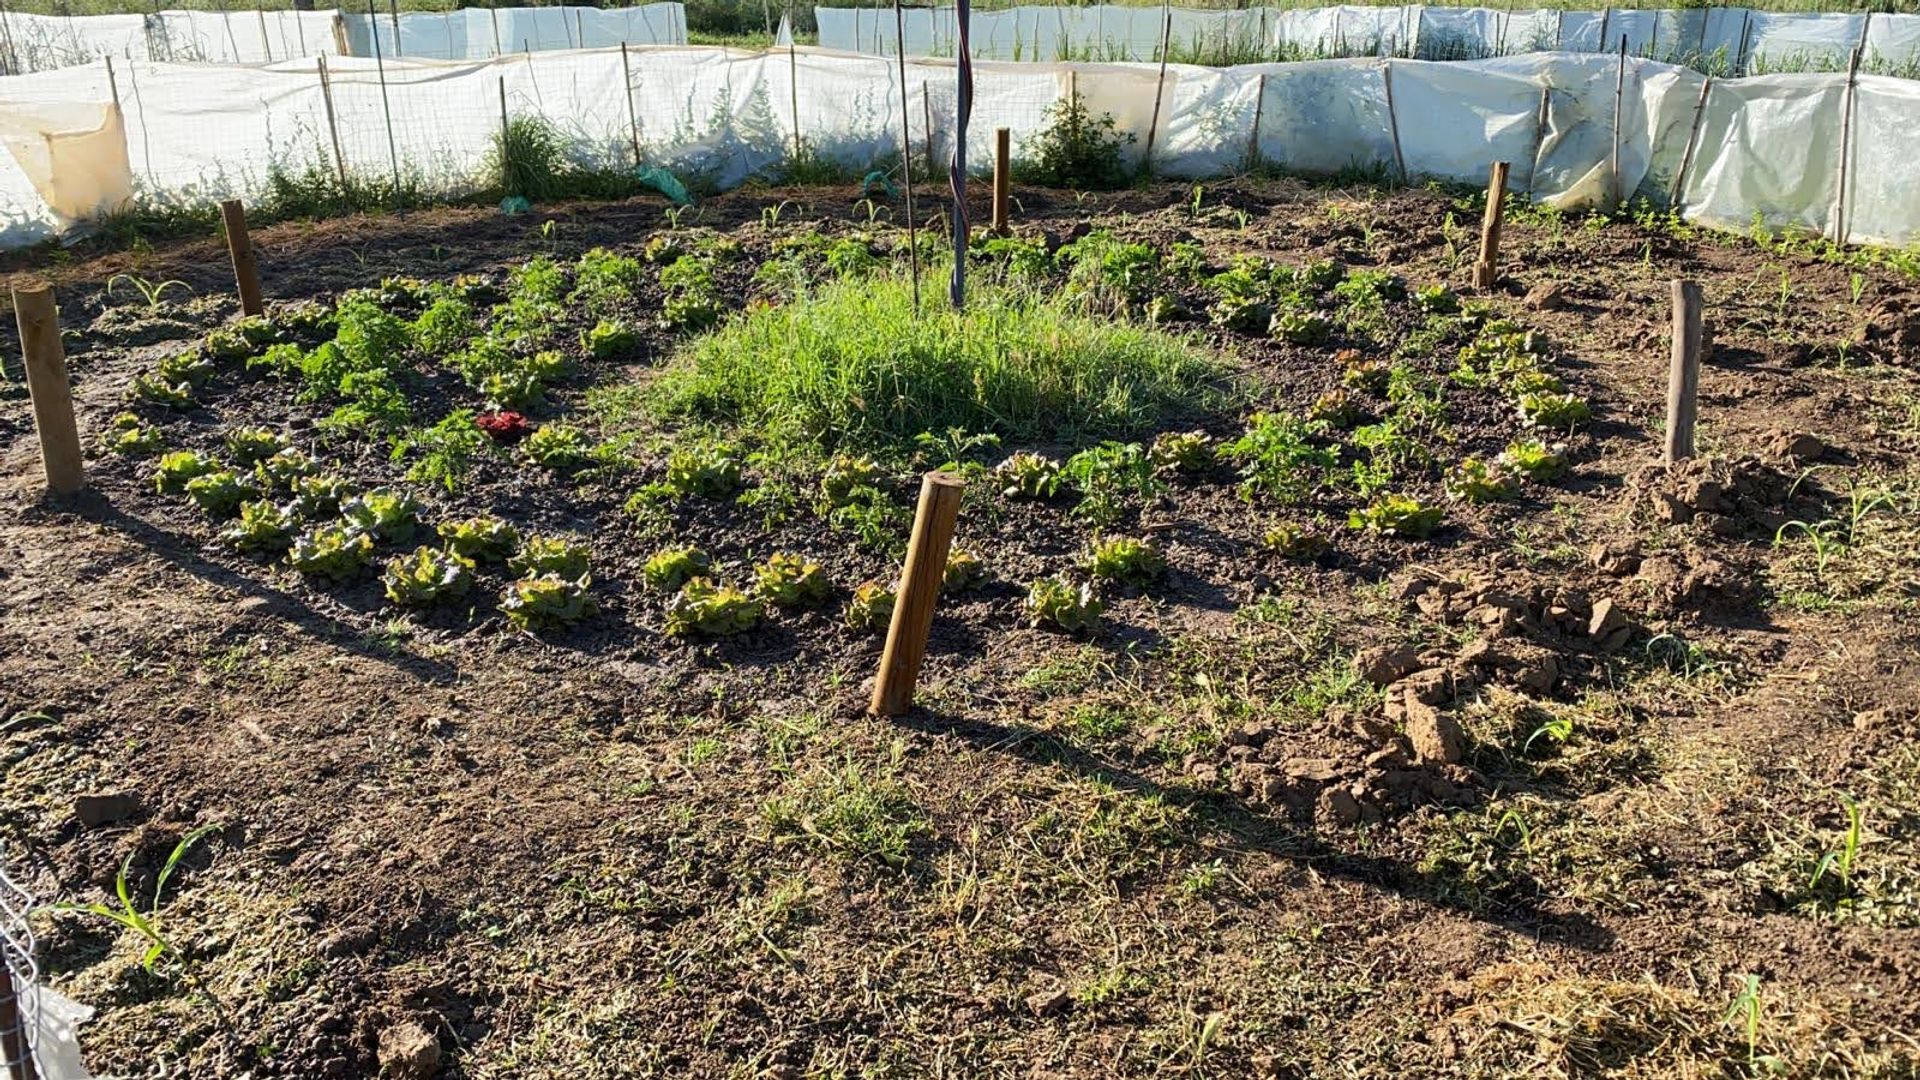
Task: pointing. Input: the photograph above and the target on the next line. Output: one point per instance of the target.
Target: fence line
(30, 43)
(1722, 153)
(1719, 40)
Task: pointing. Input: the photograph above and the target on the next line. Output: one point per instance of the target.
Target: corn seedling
(152, 293)
(1838, 864)
(128, 916)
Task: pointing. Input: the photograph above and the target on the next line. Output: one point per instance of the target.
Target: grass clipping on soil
(851, 364)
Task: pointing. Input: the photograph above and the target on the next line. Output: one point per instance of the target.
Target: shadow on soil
(1261, 831)
(180, 551)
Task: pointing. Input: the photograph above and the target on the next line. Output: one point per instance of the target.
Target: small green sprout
(1554, 412)
(609, 339)
(711, 472)
(1299, 327)
(252, 445)
(1296, 542)
(560, 447)
(845, 475)
(1534, 459)
(128, 436)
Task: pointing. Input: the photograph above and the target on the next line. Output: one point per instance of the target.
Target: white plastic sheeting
(1730, 39)
(1769, 145)
(480, 33)
(247, 36)
(252, 36)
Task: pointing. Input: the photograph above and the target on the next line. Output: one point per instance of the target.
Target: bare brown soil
(1170, 848)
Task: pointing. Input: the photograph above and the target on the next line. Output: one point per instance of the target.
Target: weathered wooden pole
(1683, 373)
(46, 364)
(1487, 270)
(16, 1055)
(1002, 177)
(246, 275)
(920, 579)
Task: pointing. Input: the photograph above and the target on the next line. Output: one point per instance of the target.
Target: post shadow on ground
(1263, 832)
(95, 506)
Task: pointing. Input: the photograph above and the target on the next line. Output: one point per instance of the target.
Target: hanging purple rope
(957, 170)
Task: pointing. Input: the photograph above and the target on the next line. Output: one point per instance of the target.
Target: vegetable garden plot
(1316, 637)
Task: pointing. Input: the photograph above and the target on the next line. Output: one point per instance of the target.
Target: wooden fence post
(46, 364)
(1487, 270)
(1002, 177)
(920, 580)
(246, 276)
(1683, 374)
(16, 1055)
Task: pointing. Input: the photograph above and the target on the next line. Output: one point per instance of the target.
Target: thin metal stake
(386, 107)
(906, 151)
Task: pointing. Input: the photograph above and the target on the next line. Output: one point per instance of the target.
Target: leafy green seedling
(547, 601)
(1060, 604)
(705, 609)
(550, 555)
(428, 576)
(1398, 515)
(871, 607)
(481, 539)
(669, 568)
(1126, 559)
(335, 551)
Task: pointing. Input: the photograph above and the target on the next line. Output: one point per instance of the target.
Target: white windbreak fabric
(1726, 38)
(251, 36)
(1768, 145)
(245, 36)
(480, 33)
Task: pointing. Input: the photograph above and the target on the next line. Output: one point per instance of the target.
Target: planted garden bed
(1326, 675)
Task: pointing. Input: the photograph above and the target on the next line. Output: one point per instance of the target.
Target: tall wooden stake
(1683, 373)
(633, 120)
(1619, 93)
(920, 581)
(46, 364)
(1159, 89)
(1487, 270)
(333, 125)
(246, 276)
(1002, 177)
(386, 106)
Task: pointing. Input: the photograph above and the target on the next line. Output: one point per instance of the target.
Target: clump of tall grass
(852, 365)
